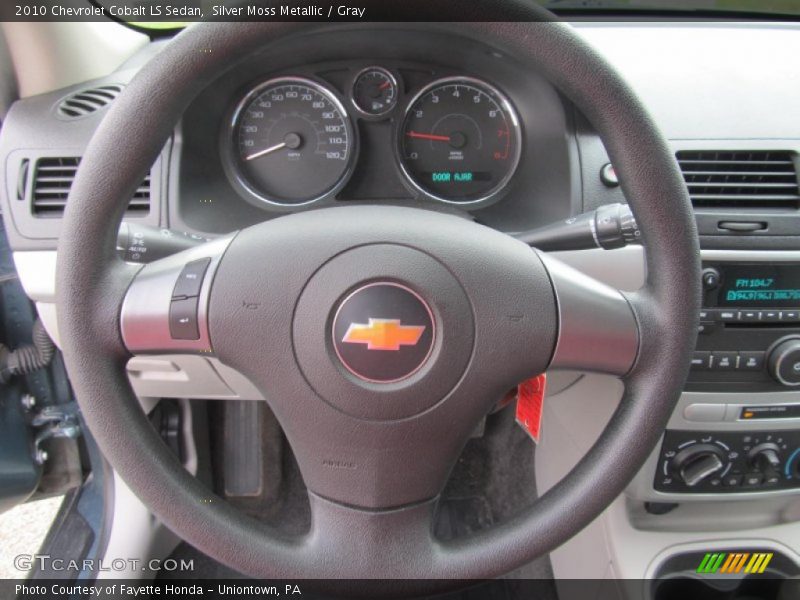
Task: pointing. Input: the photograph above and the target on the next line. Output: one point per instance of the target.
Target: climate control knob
(697, 463)
(764, 458)
(784, 361)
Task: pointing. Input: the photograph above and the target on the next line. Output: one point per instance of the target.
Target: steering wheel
(375, 431)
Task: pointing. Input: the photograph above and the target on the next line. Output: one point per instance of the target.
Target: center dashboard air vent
(52, 180)
(85, 102)
(741, 179)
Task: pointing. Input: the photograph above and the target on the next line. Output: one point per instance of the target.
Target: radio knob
(711, 278)
(784, 362)
(698, 462)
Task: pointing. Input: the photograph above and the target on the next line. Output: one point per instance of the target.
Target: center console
(748, 342)
(735, 433)
(726, 574)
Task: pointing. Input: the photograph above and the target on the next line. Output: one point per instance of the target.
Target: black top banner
(186, 11)
(163, 13)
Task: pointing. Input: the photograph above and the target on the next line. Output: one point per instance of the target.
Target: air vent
(52, 181)
(762, 179)
(86, 102)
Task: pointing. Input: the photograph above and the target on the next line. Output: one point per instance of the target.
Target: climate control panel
(728, 462)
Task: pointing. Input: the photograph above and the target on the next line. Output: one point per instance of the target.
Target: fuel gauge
(375, 91)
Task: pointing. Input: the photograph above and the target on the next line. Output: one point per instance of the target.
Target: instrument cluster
(293, 140)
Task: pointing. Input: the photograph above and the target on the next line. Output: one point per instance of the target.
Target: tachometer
(460, 141)
(292, 142)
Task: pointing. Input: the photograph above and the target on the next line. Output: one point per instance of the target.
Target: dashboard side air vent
(85, 102)
(52, 180)
(741, 179)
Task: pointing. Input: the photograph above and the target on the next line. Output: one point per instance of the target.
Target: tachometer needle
(266, 151)
(428, 136)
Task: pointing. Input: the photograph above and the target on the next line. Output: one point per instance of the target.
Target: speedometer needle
(291, 140)
(428, 136)
(266, 151)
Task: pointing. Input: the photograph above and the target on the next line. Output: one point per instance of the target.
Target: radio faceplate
(749, 336)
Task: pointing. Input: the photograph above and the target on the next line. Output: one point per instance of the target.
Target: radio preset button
(770, 315)
(724, 361)
(749, 316)
(728, 315)
(751, 361)
(701, 361)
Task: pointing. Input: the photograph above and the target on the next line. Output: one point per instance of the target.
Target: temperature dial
(375, 91)
(698, 462)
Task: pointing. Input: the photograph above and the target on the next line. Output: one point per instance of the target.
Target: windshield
(767, 8)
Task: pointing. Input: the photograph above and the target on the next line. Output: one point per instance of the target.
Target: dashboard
(458, 127)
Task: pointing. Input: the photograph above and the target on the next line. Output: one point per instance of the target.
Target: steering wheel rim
(92, 281)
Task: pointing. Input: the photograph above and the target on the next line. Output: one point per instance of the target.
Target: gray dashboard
(189, 187)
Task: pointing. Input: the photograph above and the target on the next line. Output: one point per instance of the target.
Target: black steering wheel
(375, 440)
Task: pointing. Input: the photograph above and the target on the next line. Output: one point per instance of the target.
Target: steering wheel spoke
(347, 541)
(166, 305)
(598, 329)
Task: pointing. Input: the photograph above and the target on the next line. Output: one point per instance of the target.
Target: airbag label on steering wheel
(530, 401)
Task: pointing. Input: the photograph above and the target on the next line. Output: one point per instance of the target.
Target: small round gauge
(292, 142)
(460, 141)
(375, 91)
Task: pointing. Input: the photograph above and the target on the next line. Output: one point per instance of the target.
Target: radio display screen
(773, 286)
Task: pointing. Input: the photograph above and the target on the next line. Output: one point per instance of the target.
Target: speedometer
(460, 141)
(292, 142)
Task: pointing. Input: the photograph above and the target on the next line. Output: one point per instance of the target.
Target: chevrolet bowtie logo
(383, 334)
